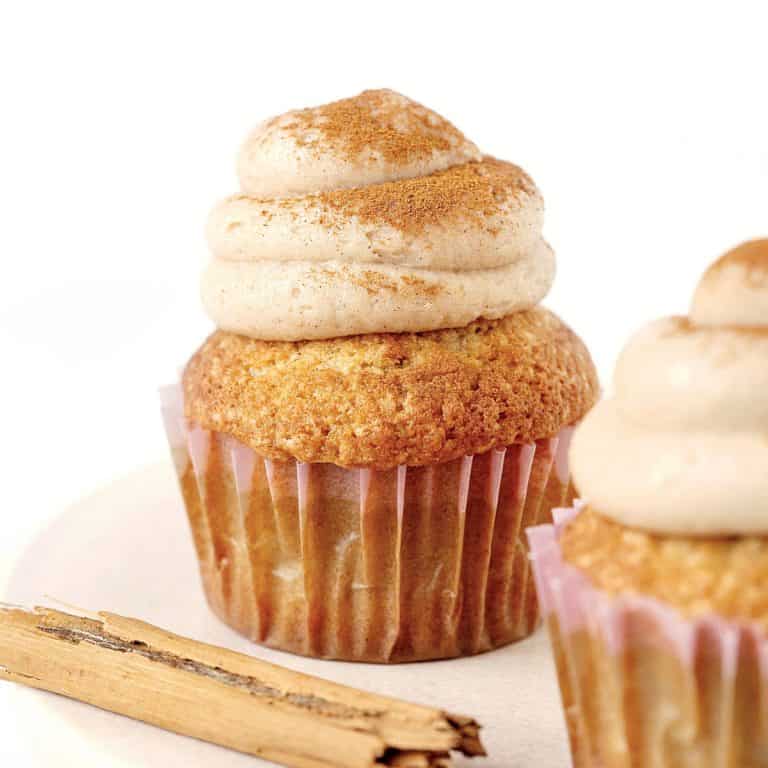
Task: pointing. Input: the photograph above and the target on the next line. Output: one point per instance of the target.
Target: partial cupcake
(384, 408)
(656, 591)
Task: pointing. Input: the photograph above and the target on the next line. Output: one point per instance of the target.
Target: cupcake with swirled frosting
(384, 406)
(657, 589)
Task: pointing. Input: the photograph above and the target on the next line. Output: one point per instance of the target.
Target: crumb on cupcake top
(381, 400)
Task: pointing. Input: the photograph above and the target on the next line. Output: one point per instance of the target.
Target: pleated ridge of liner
(567, 593)
(328, 561)
(631, 669)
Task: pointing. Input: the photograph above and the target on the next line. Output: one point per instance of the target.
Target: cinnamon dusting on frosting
(734, 290)
(372, 214)
(375, 122)
(375, 282)
(751, 256)
(474, 192)
(683, 326)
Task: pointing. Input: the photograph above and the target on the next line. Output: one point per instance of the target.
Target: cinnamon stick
(135, 669)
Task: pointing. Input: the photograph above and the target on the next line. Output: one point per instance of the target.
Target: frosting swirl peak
(734, 290)
(682, 446)
(375, 137)
(372, 214)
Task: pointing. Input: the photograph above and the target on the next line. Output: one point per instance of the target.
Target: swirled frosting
(372, 214)
(682, 446)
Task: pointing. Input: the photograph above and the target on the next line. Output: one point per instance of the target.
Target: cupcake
(655, 589)
(383, 407)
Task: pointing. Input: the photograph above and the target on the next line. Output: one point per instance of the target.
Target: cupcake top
(375, 289)
(386, 399)
(682, 446)
(371, 214)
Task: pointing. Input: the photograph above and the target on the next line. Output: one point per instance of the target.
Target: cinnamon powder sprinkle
(684, 326)
(752, 256)
(473, 192)
(377, 124)
(375, 282)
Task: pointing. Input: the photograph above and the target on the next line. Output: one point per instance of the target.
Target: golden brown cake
(656, 592)
(381, 400)
(724, 575)
(384, 408)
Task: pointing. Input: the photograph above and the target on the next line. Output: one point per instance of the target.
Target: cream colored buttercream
(734, 290)
(297, 300)
(371, 214)
(307, 229)
(682, 446)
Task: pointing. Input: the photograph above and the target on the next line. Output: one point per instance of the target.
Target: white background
(645, 125)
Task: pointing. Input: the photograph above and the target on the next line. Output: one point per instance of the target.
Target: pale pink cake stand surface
(126, 549)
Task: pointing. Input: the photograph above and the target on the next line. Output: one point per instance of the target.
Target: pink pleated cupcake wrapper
(569, 595)
(182, 434)
(190, 442)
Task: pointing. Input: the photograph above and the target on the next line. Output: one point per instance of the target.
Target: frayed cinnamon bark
(134, 669)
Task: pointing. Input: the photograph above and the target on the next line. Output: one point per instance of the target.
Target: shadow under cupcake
(384, 409)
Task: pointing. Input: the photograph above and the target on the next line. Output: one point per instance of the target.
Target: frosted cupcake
(656, 591)
(383, 408)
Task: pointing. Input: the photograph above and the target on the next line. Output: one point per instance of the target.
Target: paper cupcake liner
(404, 564)
(641, 685)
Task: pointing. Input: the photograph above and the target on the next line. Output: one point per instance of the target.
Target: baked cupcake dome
(382, 400)
(655, 592)
(384, 408)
